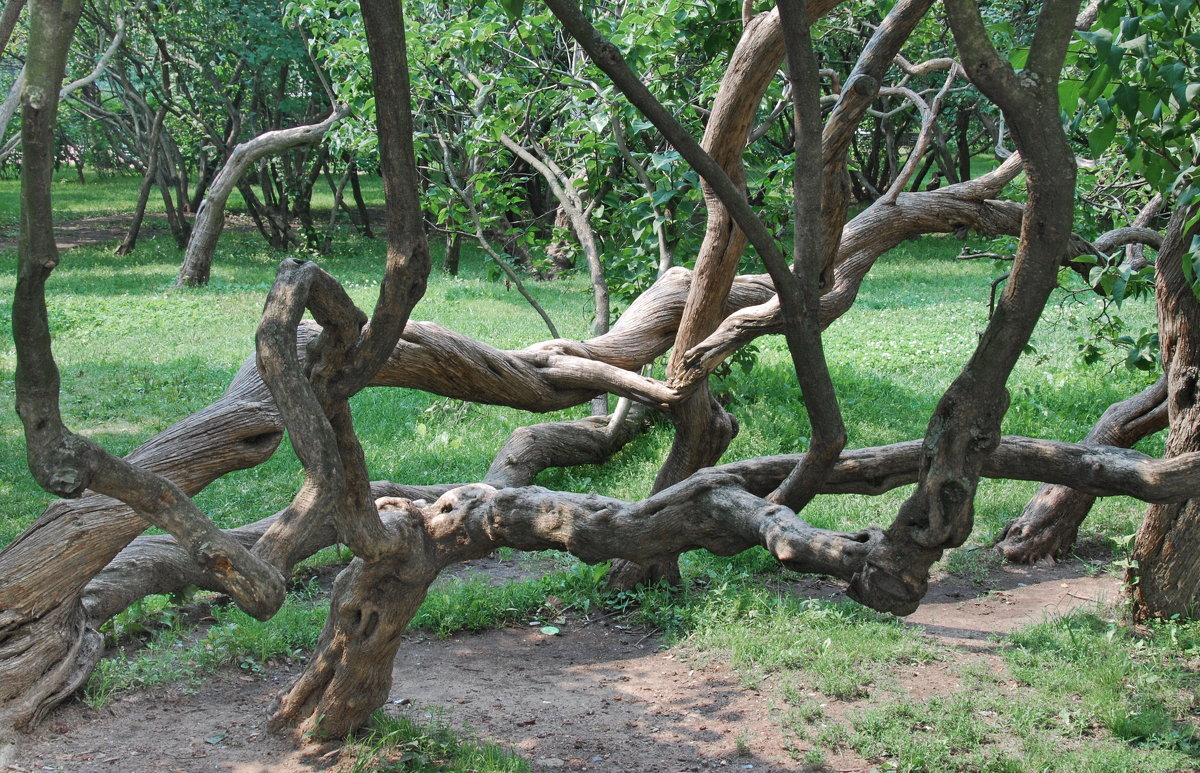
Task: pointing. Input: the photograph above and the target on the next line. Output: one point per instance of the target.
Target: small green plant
(973, 562)
(403, 745)
(841, 647)
(1134, 687)
(475, 605)
(233, 637)
(147, 615)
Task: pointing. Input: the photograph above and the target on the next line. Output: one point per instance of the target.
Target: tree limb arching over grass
(210, 220)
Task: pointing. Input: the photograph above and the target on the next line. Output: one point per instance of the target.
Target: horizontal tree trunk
(1049, 524)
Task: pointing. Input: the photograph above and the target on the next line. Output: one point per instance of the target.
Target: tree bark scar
(1186, 392)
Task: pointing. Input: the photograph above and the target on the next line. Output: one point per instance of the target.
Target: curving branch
(929, 114)
(965, 426)
(210, 219)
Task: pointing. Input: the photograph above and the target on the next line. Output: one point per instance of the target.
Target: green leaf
(1101, 138)
(1068, 95)
(662, 196)
(1172, 73)
(1186, 95)
(549, 630)
(1095, 83)
(1126, 97)
(513, 8)
(1130, 26)
(1136, 45)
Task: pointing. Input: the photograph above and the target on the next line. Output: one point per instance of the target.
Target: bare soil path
(87, 231)
(600, 696)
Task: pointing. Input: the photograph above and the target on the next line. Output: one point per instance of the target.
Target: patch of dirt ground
(600, 696)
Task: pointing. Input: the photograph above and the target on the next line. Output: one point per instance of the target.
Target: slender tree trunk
(453, 252)
(180, 229)
(139, 211)
(338, 203)
(63, 462)
(962, 127)
(349, 674)
(8, 21)
(1164, 569)
(364, 216)
(559, 251)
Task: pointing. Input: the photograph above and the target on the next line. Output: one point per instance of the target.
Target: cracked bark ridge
(350, 671)
(64, 463)
(242, 429)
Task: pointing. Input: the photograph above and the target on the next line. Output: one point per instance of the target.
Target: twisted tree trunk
(965, 426)
(1164, 572)
(210, 220)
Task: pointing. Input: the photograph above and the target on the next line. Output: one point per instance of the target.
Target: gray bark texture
(1164, 572)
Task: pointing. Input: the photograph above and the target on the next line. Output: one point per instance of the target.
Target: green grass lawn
(136, 356)
(116, 194)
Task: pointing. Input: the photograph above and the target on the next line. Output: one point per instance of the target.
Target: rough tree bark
(311, 377)
(703, 429)
(210, 220)
(1165, 565)
(39, 665)
(1049, 523)
(349, 673)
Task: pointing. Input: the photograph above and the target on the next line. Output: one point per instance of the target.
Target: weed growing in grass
(1093, 698)
(973, 562)
(814, 757)
(841, 646)
(474, 605)
(1135, 688)
(147, 615)
(942, 734)
(403, 745)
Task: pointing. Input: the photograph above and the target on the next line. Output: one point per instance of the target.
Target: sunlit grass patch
(836, 647)
(406, 744)
(1081, 693)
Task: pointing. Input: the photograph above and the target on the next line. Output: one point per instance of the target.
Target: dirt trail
(599, 696)
(84, 232)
